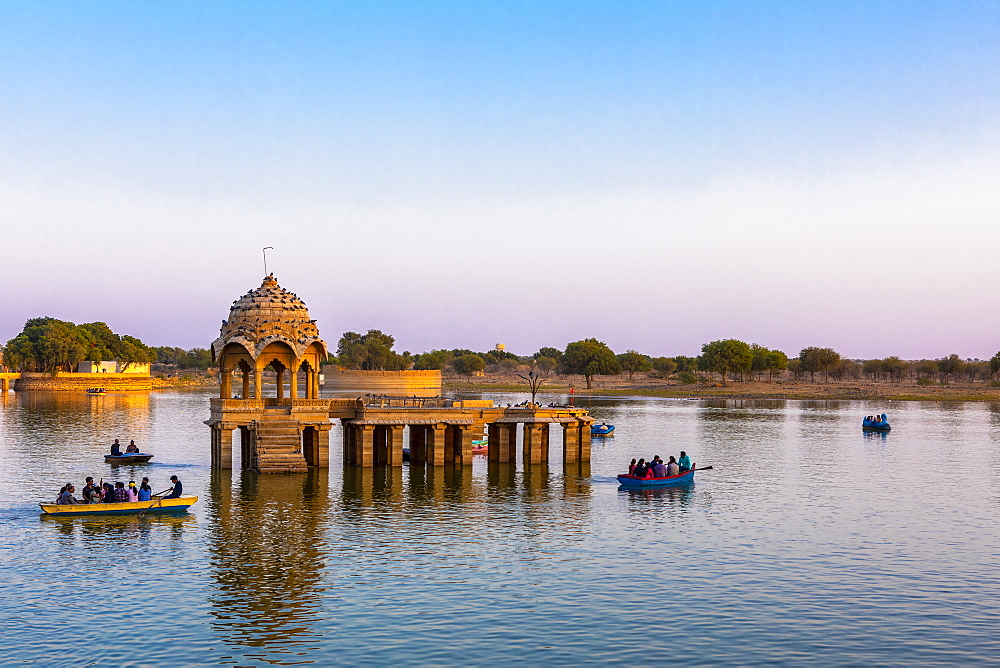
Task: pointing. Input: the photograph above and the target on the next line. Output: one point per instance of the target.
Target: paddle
(155, 503)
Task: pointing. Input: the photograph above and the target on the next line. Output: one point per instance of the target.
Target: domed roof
(265, 315)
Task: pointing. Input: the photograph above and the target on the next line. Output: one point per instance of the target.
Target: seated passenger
(116, 448)
(672, 467)
(95, 494)
(132, 447)
(88, 487)
(109, 493)
(145, 491)
(133, 493)
(176, 490)
(631, 467)
(121, 495)
(659, 469)
(640, 469)
(684, 463)
(66, 496)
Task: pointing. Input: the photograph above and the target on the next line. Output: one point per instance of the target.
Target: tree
(895, 367)
(775, 361)
(664, 365)
(468, 364)
(818, 359)
(633, 361)
(371, 351)
(872, 368)
(553, 353)
(546, 364)
(589, 358)
(729, 355)
(952, 365)
(995, 363)
(534, 382)
(688, 364)
(435, 359)
(927, 368)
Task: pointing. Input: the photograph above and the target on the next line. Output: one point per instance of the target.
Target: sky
(459, 174)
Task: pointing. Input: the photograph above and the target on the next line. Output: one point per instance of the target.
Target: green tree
(664, 365)
(554, 353)
(950, 366)
(545, 364)
(927, 368)
(995, 363)
(632, 361)
(726, 356)
(371, 351)
(468, 364)
(589, 358)
(818, 359)
(775, 360)
(688, 364)
(895, 368)
(433, 360)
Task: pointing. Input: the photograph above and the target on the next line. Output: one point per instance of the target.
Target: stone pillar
(222, 446)
(4, 385)
(464, 435)
(418, 444)
(571, 442)
(532, 447)
(379, 445)
(543, 441)
(394, 445)
(365, 448)
(227, 384)
(258, 383)
(314, 387)
(246, 385)
(279, 382)
(436, 444)
(585, 440)
(324, 445)
(449, 444)
(348, 441)
(293, 384)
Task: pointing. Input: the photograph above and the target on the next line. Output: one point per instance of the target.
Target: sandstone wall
(381, 381)
(78, 382)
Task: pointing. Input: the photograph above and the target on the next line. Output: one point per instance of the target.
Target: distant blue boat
(626, 480)
(602, 429)
(876, 423)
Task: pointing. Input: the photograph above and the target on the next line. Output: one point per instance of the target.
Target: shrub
(926, 381)
(686, 378)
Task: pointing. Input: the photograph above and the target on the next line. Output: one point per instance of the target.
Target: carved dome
(266, 315)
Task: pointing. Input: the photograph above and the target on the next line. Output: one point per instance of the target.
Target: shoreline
(845, 391)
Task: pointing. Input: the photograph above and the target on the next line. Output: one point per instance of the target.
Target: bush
(994, 383)
(686, 378)
(926, 381)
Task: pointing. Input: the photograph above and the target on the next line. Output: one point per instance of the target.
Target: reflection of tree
(266, 558)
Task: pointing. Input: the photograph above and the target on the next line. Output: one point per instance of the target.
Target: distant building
(500, 347)
(112, 367)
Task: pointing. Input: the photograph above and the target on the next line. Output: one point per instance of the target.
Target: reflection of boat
(877, 423)
(603, 429)
(133, 458)
(160, 505)
(627, 480)
(96, 390)
(480, 447)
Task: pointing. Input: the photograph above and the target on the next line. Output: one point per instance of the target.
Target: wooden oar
(703, 468)
(155, 503)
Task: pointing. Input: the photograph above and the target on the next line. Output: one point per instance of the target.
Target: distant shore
(779, 389)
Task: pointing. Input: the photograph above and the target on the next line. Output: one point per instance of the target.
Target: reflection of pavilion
(266, 559)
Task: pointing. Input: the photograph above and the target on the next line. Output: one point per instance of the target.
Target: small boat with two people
(130, 456)
(96, 390)
(876, 423)
(603, 430)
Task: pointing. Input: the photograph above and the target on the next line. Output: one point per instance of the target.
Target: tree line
(47, 344)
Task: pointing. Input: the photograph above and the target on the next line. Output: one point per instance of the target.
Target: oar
(703, 468)
(155, 503)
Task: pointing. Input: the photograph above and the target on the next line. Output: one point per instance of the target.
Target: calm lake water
(810, 542)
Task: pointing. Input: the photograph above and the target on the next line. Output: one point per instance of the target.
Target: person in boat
(88, 488)
(121, 494)
(640, 469)
(659, 469)
(176, 490)
(132, 447)
(95, 494)
(66, 495)
(684, 463)
(116, 449)
(133, 493)
(672, 467)
(108, 495)
(631, 467)
(145, 491)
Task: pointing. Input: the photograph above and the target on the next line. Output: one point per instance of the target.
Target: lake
(809, 542)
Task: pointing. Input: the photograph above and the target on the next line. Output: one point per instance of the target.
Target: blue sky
(461, 174)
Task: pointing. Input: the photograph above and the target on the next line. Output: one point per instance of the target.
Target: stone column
(279, 382)
(394, 445)
(571, 442)
(246, 385)
(543, 441)
(532, 447)
(314, 387)
(585, 439)
(418, 444)
(324, 445)
(227, 384)
(449, 444)
(436, 444)
(222, 446)
(464, 435)
(4, 385)
(348, 440)
(365, 448)
(258, 383)
(293, 384)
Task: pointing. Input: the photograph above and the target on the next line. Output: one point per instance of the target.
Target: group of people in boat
(657, 468)
(131, 448)
(106, 492)
(876, 418)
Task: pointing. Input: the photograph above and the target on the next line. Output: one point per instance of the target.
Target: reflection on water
(97, 532)
(679, 497)
(875, 436)
(265, 559)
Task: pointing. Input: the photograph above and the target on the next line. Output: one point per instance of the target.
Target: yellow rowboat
(157, 505)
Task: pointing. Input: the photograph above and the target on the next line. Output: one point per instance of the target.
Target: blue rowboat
(685, 478)
(178, 505)
(880, 423)
(602, 430)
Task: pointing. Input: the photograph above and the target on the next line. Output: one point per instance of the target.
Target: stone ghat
(79, 382)
(380, 381)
